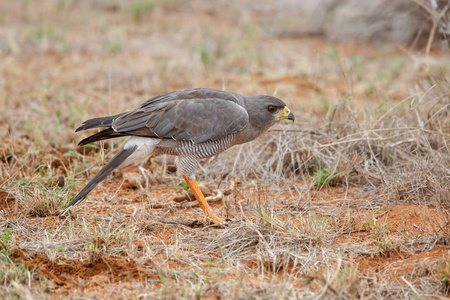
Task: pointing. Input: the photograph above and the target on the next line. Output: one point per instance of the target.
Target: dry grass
(349, 202)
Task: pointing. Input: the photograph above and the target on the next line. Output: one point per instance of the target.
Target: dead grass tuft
(43, 204)
(443, 273)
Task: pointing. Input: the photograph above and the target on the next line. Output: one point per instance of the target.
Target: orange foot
(210, 215)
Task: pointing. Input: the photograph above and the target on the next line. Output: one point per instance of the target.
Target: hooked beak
(285, 113)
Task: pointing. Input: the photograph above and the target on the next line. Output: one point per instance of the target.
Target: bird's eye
(271, 108)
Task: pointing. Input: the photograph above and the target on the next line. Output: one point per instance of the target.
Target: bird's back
(196, 115)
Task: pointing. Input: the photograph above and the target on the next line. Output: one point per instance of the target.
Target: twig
(218, 197)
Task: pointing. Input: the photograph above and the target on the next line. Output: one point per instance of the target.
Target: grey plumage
(191, 124)
(197, 115)
(105, 134)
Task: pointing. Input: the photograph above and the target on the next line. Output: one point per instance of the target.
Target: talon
(219, 221)
(202, 202)
(195, 223)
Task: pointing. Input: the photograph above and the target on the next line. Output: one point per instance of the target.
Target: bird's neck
(248, 134)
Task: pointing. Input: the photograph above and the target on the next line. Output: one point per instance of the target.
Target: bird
(190, 124)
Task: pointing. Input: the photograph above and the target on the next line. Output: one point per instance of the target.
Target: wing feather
(197, 115)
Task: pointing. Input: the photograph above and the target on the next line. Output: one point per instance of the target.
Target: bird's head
(264, 111)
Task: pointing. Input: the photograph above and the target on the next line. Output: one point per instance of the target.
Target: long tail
(98, 122)
(116, 161)
(105, 134)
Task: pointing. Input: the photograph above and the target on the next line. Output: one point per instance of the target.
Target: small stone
(187, 195)
(56, 164)
(205, 188)
(59, 181)
(181, 197)
(171, 169)
(134, 180)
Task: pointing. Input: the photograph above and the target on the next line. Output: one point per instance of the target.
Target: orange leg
(201, 200)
